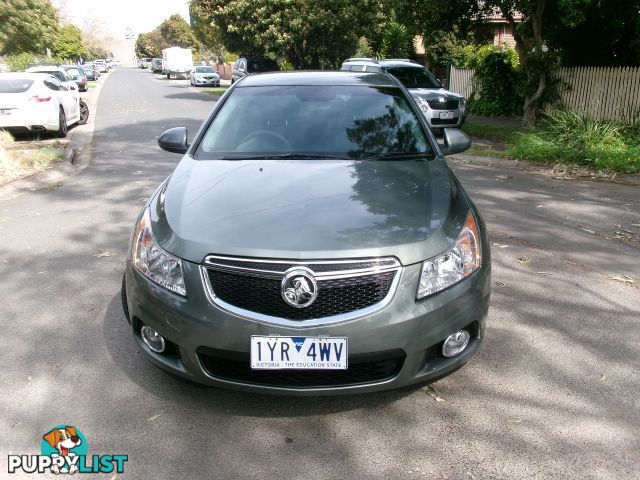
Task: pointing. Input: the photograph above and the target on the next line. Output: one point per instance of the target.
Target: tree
(68, 43)
(176, 32)
(608, 33)
(27, 26)
(308, 33)
(173, 32)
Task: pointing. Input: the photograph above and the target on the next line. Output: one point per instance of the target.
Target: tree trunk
(535, 72)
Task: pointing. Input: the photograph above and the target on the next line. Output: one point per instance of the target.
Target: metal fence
(603, 93)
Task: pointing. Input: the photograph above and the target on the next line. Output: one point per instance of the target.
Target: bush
(20, 62)
(566, 136)
(500, 92)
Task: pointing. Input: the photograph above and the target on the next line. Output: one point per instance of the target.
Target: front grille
(444, 121)
(363, 369)
(449, 104)
(253, 287)
(335, 296)
(318, 267)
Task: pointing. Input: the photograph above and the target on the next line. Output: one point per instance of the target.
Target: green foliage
(500, 87)
(27, 26)
(308, 33)
(566, 136)
(285, 66)
(173, 32)
(68, 43)
(397, 41)
(230, 57)
(20, 62)
(363, 48)
(602, 32)
(176, 32)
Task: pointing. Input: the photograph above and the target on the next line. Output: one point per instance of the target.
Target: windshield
(412, 77)
(351, 122)
(204, 70)
(73, 73)
(63, 77)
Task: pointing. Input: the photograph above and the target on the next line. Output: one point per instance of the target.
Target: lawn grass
(564, 137)
(216, 91)
(492, 133)
(17, 161)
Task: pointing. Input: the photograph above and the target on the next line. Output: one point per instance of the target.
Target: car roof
(319, 78)
(45, 68)
(27, 75)
(389, 62)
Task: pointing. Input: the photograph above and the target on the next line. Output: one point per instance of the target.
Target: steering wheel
(267, 134)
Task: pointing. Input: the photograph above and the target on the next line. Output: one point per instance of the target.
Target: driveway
(553, 392)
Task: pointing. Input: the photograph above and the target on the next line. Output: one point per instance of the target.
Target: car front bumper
(444, 118)
(206, 81)
(196, 328)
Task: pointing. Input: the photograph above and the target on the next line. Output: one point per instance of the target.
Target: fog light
(152, 339)
(454, 344)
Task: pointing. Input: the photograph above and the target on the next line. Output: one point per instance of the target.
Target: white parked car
(204, 75)
(102, 65)
(59, 72)
(36, 102)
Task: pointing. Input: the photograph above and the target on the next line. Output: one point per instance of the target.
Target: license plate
(298, 353)
(446, 115)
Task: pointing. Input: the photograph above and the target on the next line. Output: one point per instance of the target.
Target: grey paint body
(312, 210)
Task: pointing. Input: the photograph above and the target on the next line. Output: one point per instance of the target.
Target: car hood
(311, 209)
(434, 93)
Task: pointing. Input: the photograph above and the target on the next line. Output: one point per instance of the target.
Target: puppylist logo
(64, 450)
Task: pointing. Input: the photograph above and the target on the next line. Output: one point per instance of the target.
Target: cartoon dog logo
(63, 439)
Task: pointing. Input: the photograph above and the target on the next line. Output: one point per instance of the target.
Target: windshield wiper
(392, 156)
(283, 156)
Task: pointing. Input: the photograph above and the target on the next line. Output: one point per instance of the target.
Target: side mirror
(455, 141)
(174, 140)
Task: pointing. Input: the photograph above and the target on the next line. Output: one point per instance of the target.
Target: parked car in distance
(204, 75)
(246, 65)
(102, 65)
(353, 260)
(36, 102)
(156, 65)
(58, 72)
(77, 75)
(90, 71)
(441, 107)
(145, 62)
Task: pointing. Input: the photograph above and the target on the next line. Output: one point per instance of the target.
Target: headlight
(454, 265)
(463, 101)
(153, 262)
(422, 103)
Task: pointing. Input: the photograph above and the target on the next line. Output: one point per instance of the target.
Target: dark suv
(247, 65)
(440, 107)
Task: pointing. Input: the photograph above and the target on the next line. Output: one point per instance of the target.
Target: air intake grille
(363, 369)
(254, 286)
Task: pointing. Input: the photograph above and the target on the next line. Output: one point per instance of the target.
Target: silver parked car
(440, 107)
(312, 240)
(203, 75)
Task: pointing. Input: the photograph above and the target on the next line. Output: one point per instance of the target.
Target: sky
(114, 16)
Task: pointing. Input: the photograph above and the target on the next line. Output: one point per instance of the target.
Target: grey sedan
(204, 76)
(312, 240)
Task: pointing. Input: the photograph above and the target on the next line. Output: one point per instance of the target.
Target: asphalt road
(553, 393)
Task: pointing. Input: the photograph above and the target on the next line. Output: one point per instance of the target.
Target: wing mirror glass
(455, 141)
(174, 140)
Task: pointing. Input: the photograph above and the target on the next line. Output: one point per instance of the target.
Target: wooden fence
(602, 93)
